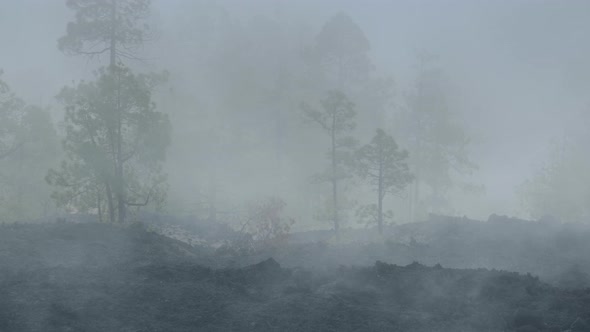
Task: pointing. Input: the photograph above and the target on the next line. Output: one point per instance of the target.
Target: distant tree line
(115, 138)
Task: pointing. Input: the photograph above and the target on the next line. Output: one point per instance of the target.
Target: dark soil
(96, 277)
(558, 253)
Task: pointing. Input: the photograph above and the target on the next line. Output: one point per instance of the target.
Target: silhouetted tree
(341, 52)
(27, 195)
(339, 59)
(115, 139)
(28, 145)
(336, 119)
(561, 187)
(384, 166)
(437, 142)
(115, 27)
(115, 143)
(11, 108)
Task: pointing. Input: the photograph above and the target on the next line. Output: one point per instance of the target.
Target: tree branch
(94, 52)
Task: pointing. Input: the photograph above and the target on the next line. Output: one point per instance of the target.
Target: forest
(294, 165)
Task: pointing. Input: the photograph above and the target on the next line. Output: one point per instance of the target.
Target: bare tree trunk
(99, 205)
(335, 202)
(410, 203)
(334, 178)
(116, 185)
(416, 197)
(380, 195)
(380, 211)
(19, 186)
(113, 46)
(418, 171)
(110, 203)
(121, 197)
(121, 201)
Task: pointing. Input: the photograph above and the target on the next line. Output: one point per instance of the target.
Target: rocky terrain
(99, 277)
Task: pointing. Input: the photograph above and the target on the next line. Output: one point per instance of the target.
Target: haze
(517, 76)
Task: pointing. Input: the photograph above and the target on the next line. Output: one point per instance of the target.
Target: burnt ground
(97, 277)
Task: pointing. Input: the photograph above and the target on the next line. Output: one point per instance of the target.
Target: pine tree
(115, 138)
(336, 119)
(384, 166)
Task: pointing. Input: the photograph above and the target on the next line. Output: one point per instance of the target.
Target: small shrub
(265, 226)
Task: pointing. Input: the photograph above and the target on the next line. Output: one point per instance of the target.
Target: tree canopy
(28, 145)
(114, 27)
(437, 141)
(561, 187)
(336, 119)
(114, 146)
(341, 50)
(115, 138)
(384, 166)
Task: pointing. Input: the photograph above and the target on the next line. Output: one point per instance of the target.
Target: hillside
(97, 277)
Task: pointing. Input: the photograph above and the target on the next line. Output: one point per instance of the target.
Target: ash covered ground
(446, 274)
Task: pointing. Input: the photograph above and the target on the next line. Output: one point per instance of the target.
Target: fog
(302, 165)
(516, 76)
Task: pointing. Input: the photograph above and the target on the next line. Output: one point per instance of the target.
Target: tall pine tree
(115, 137)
